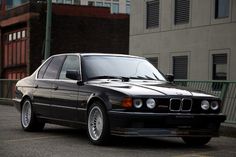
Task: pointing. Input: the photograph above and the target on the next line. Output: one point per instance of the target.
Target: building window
(107, 5)
(59, 1)
(115, 8)
(10, 37)
(14, 36)
(219, 71)
(128, 6)
(68, 1)
(77, 2)
(153, 61)
(182, 10)
(99, 4)
(91, 3)
(153, 8)
(180, 67)
(23, 35)
(18, 35)
(222, 8)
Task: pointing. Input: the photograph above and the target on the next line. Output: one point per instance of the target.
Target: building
(193, 39)
(74, 29)
(116, 6)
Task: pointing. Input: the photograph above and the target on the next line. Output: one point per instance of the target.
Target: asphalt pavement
(57, 141)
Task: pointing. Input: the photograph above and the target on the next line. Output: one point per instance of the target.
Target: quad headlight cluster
(150, 103)
(206, 105)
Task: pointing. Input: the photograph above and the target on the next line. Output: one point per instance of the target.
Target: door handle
(55, 87)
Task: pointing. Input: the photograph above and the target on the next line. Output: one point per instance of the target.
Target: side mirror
(73, 74)
(170, 77)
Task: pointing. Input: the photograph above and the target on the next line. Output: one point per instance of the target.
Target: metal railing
(226, 90)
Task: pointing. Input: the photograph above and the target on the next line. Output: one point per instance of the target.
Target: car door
(65, 91)
(44, 84)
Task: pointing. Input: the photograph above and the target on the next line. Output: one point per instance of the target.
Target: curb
(7, 102)
(228, 130)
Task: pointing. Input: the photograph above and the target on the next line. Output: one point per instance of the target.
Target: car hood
(142, 88)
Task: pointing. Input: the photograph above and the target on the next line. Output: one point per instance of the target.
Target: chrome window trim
(70, 54)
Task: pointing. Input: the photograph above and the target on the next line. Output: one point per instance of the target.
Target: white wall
(199, 39)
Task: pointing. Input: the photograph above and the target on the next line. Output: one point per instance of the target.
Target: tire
(196, 141)
(98, 125)
(29, 122)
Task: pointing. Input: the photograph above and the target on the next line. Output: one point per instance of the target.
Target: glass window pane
(18, 35)
(68, 1)
(117, 66)
(42, 69)
(128, 8)
(59, 1)
(115, 8)
(10, 37)
(91, 3)
(221, 8)
(23, 34)
(14, 36)
(99, 4)
(53, 68)
(71, 63)
(107, 5)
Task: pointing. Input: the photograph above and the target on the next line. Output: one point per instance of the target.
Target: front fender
(99, 97)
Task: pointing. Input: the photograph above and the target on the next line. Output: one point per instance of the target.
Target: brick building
(74, 29)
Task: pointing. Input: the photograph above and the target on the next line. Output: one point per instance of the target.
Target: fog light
(214, 105)
(205, 105)
(151, 103)
(138, 103)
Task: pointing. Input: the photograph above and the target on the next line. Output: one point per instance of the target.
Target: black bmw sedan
(115, 95)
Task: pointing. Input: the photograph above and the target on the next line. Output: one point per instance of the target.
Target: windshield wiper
(142, 78)
(124, 79)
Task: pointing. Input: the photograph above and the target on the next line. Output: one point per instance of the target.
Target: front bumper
(165, 124)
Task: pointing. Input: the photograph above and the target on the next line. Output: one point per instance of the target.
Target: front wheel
(196, 141)
(29, 122)
(98, 124)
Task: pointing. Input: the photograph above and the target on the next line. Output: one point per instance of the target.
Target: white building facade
(193, 39)
(116, 6)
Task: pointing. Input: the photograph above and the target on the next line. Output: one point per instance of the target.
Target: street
(62, 142)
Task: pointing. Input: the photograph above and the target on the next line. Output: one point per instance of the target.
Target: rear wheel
(98, 125)
(196, 141)
(29, 122)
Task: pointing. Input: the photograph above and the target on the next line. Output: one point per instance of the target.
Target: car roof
(99, 54)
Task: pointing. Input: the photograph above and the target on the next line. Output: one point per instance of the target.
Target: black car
(115, 95)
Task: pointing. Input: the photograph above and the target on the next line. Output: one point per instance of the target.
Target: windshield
(119, 66)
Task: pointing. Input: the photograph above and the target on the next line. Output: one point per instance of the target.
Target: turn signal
(127, 103)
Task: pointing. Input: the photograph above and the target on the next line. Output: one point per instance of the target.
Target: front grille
(177, 104)
(186, 105)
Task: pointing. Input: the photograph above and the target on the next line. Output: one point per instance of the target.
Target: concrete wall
(199, 39)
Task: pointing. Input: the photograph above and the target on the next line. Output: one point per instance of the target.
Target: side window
(71, 63)
(42, 69)
(54, 67)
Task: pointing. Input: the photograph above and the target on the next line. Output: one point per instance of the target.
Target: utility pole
(48, 30)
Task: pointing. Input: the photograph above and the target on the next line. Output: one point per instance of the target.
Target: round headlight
(205, 105)
(138, 103)
(151, 103)
(214, 105)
